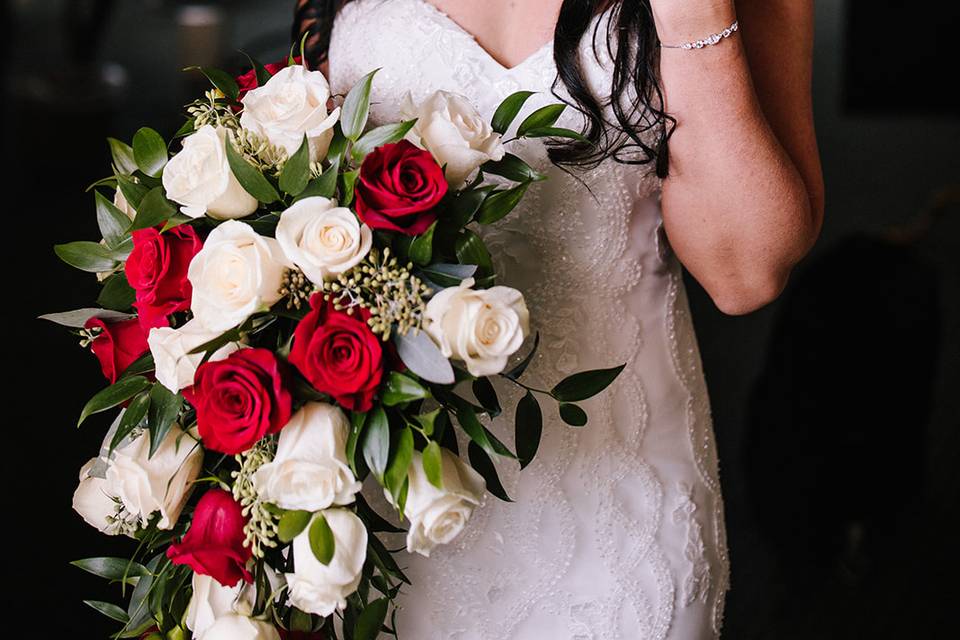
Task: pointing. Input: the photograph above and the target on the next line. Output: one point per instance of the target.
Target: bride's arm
(744, 199)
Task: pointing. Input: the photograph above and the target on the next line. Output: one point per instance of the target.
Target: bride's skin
(744, 199)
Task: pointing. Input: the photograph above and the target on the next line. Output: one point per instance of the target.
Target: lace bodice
(616, 529)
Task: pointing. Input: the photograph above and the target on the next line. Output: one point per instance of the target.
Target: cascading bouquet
(293, 304)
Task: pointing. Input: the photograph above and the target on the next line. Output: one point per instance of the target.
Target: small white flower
(310, 470)
(200, 178)
(175, 365)
(322, 239)
(482, 328)
(450, 128)
(293, 103)
(323, 589)
(236, 274)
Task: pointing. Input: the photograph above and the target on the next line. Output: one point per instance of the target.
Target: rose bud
(118, 345)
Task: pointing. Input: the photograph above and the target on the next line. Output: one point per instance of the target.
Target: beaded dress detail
(616, 529)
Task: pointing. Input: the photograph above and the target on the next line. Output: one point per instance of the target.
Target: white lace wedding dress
(617, 527)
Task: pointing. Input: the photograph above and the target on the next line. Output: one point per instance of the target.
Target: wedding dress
(616, 529)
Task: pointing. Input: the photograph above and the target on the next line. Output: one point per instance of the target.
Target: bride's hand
(680, 21)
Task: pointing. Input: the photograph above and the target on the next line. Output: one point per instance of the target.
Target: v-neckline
(456, 26)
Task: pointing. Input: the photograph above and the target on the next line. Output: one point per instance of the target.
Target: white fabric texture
(616, 529)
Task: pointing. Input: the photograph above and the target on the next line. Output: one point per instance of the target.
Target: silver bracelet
(709, 40)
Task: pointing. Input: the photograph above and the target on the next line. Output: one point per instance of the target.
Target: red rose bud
(118, 345)
(248, 81)
(399, 188)
(239, 400)
(157, 271)
(213, 546)
(339, 354)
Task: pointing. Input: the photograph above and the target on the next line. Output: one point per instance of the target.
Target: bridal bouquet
(294, 304)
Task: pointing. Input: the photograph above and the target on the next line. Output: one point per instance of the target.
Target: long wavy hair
(635, 99)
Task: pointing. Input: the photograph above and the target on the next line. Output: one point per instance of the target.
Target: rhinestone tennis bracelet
(709, 40)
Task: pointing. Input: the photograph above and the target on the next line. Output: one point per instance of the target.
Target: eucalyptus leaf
(499, 204)
(112, 611)
(448, 275)
(292, 524)
(78, 318)
(249, 177)
(400, 388)
(528, 428)
(422, 356)
(585, 384)
(504, 115)
(380, 136)
(322, 543)
(483, 465)
(433, 464)
(164, 408)
(122, 154)
(114, 224)
(376, 442)
(572, 414)
(86, 256)
(117, 294)
(150, 151)
(296, 170)
(370, 620)
(114, 395)
(154, 210)
(542, 117)
(356, 107)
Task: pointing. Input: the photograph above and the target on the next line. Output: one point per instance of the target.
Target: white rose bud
(211, 601)
(310, 470)
(120, 202)
(437, 516)
(175, 365)
(237, 627)
(162, 483)
(450, 128)
(482, 328)
(324, 240)
(322, 589)
(292, 103)
(237, 273)
(94, 501)
(199, 178)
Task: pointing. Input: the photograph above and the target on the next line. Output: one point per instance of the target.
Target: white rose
(237, 273)
(482, 328)
(324, 240)
(292, 103)
(322, 589)
(175, 365)
(200, 179)
(450, 128)
(162, 483)
(94, 501)
(437, 516)
(310, 470)
(237, 627)
(211, 601)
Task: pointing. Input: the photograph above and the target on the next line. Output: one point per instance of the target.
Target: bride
(616, 529)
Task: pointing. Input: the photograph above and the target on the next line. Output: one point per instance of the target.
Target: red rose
(239, 400)
(118, 345)
(338, 354)
(213, 546)
(399, 188)
(248, 81)
(157, 271)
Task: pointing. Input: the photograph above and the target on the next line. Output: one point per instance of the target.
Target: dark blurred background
(836, 409)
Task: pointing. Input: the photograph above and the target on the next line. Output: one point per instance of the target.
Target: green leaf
(292, 524)
(427, 421)
(470, 249)
(175, 220)
(122, 154)
(380, 136)
(115, 569)
(164, 408)
(143, 364)
(421, 249)
(370, 620)
(117, 294)
(483, 465)
(447, 275)
(323, 186)
(500, 203)
(356, 107)
(263, 76)
(401, 388)
(86, 256)
(512, 168)
(114, 395)
(528, 428)
(487, 396)
(249, 177)
(132, 418)
(133, 192)
(296, 170)
(321, 540)
(384, 559)
(348, 180)
(357, 421)
(187, 128)
(572, 414)
(433, 464)
(139, 610)
(468, 420)
(338, 144)
(542, 117)
(113, 223)
(376, 442)
(112, 611)
(585, 384)
(504, 115)
(150, 151)
(374, 521)
(154, 210)
(221, 80)
(556, 132)
(396, 474)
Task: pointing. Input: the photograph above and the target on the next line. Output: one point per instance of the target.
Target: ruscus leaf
(528, 428)
(149, 151)
(542, 117)
(508, 110)
(321, 539)
(585, 384)
(356, 107)
(292, 524)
